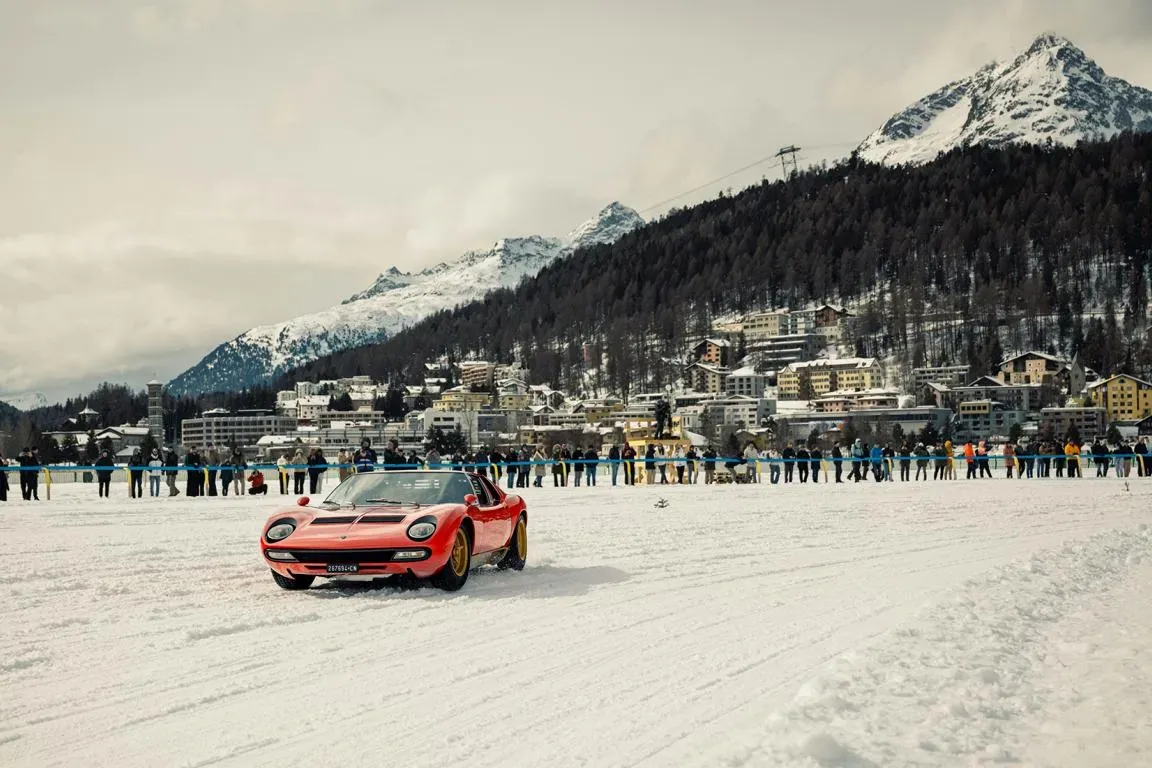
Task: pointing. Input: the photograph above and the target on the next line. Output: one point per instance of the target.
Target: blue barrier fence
(998, 461)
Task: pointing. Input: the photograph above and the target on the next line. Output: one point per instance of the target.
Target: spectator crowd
(212, 473)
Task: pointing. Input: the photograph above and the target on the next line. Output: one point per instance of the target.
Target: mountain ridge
(1051, 91)
(394, 301)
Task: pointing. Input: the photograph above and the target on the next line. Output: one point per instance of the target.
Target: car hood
(363, 525)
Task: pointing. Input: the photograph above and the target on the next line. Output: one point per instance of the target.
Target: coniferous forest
(958, 261)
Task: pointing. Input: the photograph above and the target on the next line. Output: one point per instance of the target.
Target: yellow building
(596, 411)
(819, 377)
(1123, 397)
(764, 324)
(514, 401)
(462, 399)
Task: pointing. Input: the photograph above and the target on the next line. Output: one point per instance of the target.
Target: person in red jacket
(256, 480)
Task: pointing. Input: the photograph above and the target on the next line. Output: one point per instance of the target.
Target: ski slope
(932, 624)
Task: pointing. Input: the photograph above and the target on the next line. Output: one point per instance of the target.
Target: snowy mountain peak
(393, 302)
(1052, 91)
(612, 222)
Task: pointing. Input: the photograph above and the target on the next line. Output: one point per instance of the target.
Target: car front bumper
(377, 562)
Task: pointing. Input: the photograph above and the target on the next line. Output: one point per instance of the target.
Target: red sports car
(428, 524)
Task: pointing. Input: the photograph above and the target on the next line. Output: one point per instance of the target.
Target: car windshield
(401, 487)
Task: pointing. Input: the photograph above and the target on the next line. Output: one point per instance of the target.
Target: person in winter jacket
(921, 454)
(432, 458)
(195, 479)
(970, 459)
(1009, 459)
(316, 462)
(513, 466)
(578, 466)
(1072, 458)
(877, 457)
(212, 457)
(299, 464)
(104, 473)
(837, 461)
(650, 464)
(3, 478)
(905, 454)
(238, 467)
(789, 457)
(680, 463)
(593, 459)
(982, 458)
(752, 461)
(814, 457)
(1143, 460)
(226, 473)
(136, 475)
(256, 483)
(858, 454)
(709, 465)
(628, 456)
(29, 459)
(802, 460)
(539, 466)
(365, 458)
(889, 457)
(154, 473)
(614, 462)
(171, 462)
(392, 458)
(342, 459)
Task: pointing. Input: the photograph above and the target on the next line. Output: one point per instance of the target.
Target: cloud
(175, 171)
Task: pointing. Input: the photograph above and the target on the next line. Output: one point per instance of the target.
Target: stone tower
(156, 410)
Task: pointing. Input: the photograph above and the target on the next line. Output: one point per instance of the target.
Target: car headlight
(422, 529)
(281, 530)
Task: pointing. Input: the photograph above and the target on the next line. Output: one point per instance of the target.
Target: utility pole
(787, 154)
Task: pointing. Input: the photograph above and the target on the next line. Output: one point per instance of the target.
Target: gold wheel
(522, 539)
(460, 553)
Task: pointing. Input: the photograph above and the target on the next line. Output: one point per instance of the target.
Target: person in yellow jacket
(950, 462)
(1072, 455)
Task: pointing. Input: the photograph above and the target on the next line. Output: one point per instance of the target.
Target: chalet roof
(718, 370)
(838, 362)
(717, 342)
(1033, 353)
(745, 371)
(1103, 382)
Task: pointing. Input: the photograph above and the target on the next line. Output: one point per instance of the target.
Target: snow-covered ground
(931, 624)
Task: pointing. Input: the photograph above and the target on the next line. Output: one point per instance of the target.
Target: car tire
(517, 547)
(292, 582)
(454, 574)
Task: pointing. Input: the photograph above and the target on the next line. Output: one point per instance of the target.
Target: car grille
(365, 519)
(326, 556)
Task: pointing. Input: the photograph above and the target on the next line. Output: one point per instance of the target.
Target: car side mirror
(471, 500)
(303, 501)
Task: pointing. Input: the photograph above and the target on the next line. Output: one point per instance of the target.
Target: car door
(501, 524)
(484, 515)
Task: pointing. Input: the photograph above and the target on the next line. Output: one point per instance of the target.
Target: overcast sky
(175, 172)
